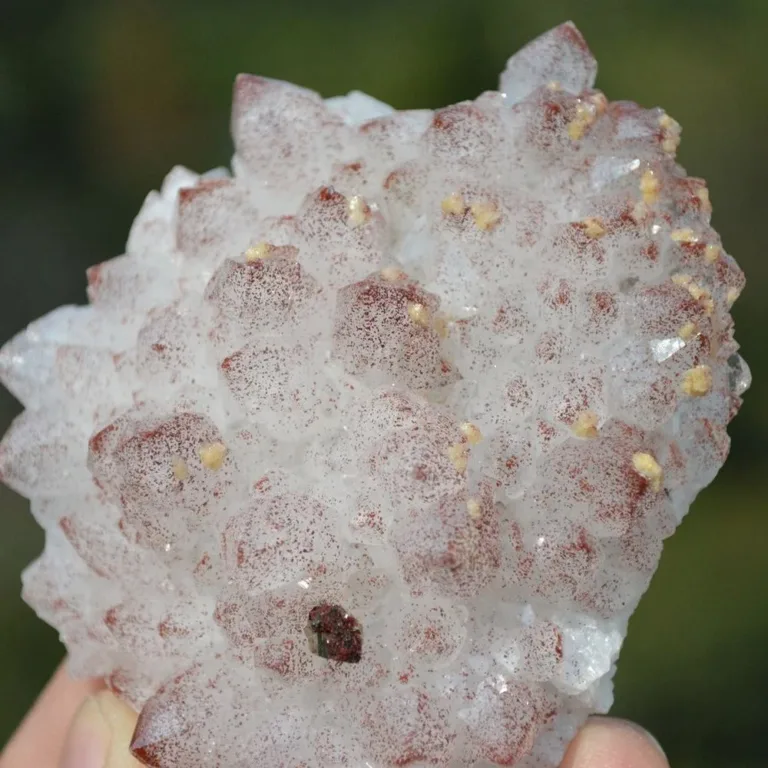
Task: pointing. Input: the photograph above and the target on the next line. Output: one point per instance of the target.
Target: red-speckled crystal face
(364, 452)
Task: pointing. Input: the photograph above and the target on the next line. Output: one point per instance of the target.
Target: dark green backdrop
(99, 99)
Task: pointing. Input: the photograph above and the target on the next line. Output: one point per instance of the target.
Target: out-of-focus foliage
(99, 99)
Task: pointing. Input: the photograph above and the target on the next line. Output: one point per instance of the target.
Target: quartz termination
(459, 372)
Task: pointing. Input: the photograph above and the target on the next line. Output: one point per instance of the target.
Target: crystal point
(559, 58)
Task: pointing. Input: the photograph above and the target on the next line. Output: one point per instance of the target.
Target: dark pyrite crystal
(333, 634)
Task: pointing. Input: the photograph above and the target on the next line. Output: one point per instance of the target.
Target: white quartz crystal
(364, 454)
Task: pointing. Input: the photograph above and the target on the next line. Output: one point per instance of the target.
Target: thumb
(100, 735)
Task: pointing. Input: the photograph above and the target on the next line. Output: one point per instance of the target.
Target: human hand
(78, 724)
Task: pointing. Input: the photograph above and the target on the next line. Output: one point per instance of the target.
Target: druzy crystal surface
(364, 453)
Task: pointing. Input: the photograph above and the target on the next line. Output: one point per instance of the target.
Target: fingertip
(89, 738)
(606, 742)
(121, 720)
(39, 739)
(100, 734)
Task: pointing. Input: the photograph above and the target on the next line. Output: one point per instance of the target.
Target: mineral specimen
(459, 372)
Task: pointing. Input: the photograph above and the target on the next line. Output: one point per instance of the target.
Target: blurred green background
(99, 99)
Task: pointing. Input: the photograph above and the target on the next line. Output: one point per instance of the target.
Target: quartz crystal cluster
(364, 453)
